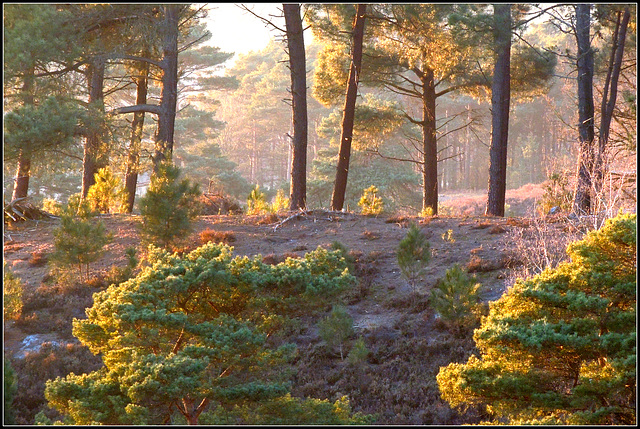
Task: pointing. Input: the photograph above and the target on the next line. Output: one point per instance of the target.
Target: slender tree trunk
(346, 135)
(429, 141)
(500, 100)
(23, 171)
(91, 161)
(133, 158)
(169, 92)
(297, 64)
(609, 96)
(582, 198)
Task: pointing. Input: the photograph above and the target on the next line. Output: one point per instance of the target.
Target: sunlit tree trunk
(297, 64)
(348, 116)
(500, 100)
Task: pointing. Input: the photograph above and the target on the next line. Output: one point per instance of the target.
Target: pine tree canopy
(560, 348)
(189, 334)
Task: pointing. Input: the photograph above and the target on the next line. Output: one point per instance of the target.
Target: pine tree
(560, 348)
(79, 240)
(455, 298)
(169, 207)
(370, 202)
(336, 328)
(188, 336)
(106, 194)
(414, 252)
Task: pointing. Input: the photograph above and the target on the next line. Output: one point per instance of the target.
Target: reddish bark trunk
(346, 135)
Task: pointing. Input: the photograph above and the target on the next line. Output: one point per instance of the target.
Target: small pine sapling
(78, 241)
(370, 203)
(455, 298)
(169, 208)
(358, 353)
(106, 194)
(414, 253)
(280, 203)
(257, 202)
(336, 328)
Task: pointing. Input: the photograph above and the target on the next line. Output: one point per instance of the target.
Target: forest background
(97, 96)
(233, 124)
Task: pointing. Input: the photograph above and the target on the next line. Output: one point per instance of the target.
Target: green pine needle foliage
(455, 298)
(281, 202)
(8, 392)
(288, 410)
(12, 294)
(168, 208)
(560, 347)
(370, 203)
(358, 352)
(106, 194)
(336, 328)
(257, 202)
(190, 330)
(413, 254)
(79, 241)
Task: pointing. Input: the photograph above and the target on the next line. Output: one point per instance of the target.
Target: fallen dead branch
(20, 210)
(329, 215)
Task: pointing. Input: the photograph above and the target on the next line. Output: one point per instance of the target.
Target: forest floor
(385, 309)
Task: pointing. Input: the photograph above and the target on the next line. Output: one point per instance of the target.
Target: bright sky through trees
(233, 29)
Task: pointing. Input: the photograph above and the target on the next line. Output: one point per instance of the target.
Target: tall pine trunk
(169, 93)
(23, 171)
(609, 96)
(346, 135)
(429, 143)
(297, 64)
(92, 161)
(500, 100)
(586, 132)
(133, 157)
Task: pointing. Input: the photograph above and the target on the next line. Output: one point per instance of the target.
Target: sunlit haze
(233, 29)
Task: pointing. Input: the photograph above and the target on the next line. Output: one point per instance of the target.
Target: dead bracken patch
(213, 236)
(369, 235)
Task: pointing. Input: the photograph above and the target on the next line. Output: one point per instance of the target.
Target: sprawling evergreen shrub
(188, 335)
(560, 347)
